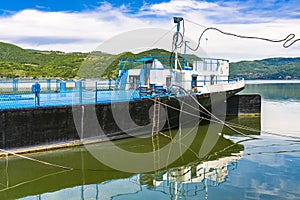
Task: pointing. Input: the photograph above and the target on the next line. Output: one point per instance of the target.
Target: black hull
(29, 128)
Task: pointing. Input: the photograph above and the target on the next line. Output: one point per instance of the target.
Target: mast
(184, 55)
(177, 21)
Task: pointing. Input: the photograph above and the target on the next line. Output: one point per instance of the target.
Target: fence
(23, 93)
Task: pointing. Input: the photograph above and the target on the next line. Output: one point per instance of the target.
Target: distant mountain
(271, 68)
(16, 62)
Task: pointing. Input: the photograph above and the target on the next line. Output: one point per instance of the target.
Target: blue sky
(266, 8)
(81, 25)
(64, 5)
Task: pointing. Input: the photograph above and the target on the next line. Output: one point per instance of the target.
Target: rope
(195, 23)
(155, 42)
(6, 170)
(239, 126)
(227, 124)
(30, 181)
(35, 160)
(169, 126)
(222, 122)
(165, 135)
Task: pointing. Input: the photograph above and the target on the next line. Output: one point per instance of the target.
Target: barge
(149, 95)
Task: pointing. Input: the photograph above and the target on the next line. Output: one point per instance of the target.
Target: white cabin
(204, 76)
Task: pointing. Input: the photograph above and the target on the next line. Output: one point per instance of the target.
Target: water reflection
(288, 91)
(182, 182)
(188, 177)
(194, 180)
(280, 105)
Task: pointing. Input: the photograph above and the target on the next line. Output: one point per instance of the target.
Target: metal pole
(48, 84)
(177, 20)
(96, 91)
(79, 90)
(184, 56)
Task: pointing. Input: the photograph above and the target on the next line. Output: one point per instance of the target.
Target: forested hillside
(271, 68)
(16, 62)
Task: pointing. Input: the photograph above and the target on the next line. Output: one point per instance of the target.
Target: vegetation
(16, 62)
(271, 68)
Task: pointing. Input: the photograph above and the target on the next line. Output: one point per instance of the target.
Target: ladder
(155, 132)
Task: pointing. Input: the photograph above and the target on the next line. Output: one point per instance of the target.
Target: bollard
(78, 89)
(15, 86)
(48, 84)
(63, 86)
(36, 89)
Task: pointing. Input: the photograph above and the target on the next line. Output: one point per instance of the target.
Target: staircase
(122, 78)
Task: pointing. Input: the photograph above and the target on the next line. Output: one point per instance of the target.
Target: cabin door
(168, 81)
(194, 82)
(134, 82)
(212, 79)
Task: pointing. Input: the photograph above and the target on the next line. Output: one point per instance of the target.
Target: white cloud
(178, 6)
(84, 31)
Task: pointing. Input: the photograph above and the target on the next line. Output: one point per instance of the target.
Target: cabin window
(134, 82)
(168, 81)
(205, 66)
(194, 82)
(212, 79)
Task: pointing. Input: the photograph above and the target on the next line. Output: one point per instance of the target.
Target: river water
(261, 163)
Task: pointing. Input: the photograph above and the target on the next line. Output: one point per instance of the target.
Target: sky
(83, 25)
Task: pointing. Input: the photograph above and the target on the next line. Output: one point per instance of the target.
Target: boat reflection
(189, 177)
(194, 180)
(186, 182)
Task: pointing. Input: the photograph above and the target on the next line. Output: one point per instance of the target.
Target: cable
(162, 36)
(177, 41)
(239, 126)
(195, 23)
(288, 41)
(211, 114)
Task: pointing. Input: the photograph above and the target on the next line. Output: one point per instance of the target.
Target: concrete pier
(239, 105)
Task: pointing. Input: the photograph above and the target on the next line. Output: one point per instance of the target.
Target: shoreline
(271, 81)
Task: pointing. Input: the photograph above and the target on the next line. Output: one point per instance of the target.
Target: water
(236, 167)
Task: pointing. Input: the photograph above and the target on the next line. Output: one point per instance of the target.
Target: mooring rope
(231, 124)
(226, 123)
(211, 114)
(32, 180)
(35, 160)
(199, 117)
(246, 128)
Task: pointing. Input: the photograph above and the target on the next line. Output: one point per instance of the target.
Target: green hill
(16, 62)
(271, 68)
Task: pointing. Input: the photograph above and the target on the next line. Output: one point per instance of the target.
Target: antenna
(177, 21)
